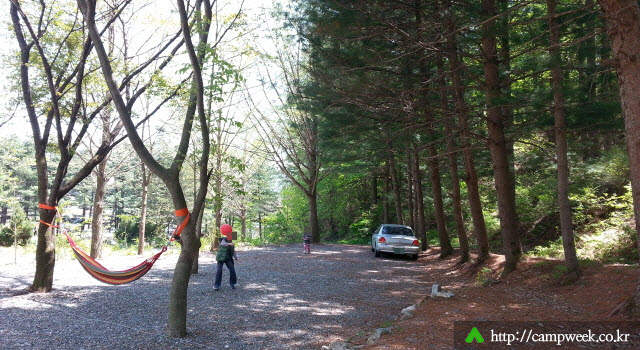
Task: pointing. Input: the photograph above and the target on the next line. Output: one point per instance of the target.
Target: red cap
(226, 229)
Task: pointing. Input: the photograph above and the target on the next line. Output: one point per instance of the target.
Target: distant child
(307, 244)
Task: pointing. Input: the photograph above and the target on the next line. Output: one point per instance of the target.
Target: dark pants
(233, 279)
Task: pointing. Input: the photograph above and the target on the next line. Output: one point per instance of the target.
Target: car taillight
(415, 242)
(382, 240)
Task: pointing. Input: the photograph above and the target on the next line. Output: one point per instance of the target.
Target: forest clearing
(495, 144)
(288, 300)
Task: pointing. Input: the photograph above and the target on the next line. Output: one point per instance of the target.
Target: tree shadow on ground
(285, 299)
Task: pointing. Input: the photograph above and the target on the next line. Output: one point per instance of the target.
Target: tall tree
(395, 184)
(497, 141)
(456, 68)
(566, 224)
(623, 24)
(417, 178)
(452, 157)
(170, 176)
(292, 140)
(144, 195)
(59, 66)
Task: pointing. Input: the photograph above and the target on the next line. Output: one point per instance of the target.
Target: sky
(150, 19)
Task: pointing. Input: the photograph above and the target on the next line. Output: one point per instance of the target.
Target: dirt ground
(533, 293)
(288, 300)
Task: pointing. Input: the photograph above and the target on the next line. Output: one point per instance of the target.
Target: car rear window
(404, 231)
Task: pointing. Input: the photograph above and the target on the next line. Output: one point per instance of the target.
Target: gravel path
(284, 300)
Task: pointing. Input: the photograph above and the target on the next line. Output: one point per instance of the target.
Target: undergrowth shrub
(485, 277)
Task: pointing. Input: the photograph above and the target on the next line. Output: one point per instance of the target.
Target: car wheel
(377, 253)
(414, 257)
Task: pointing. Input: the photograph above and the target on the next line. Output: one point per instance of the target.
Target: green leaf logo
(474, 334)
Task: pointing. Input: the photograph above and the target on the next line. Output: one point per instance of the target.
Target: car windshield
(396, 230)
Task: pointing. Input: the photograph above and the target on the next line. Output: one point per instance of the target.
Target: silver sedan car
(396, 239)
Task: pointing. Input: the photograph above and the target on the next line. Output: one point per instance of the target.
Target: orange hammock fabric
(105, 275)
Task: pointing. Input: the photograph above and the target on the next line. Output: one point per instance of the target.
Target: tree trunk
(417, 178)
(97, 225)
(471, 177)
(146, 181)
(313, 217)
(385, 194)
(623, 24)
(456, 199)
(443, 237)
(216, 231)
(84, 214)
(589, 85)
(115, 208)
(395, 184)
(497, 143)
(91, 206)
(45, 254)
(506, 110)
(452, 157)
(566, 225)
(260, 225)
(196, 257)
(411, 221)
(243, 224)
(374, 189)
(177, 324)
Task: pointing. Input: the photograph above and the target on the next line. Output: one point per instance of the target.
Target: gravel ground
(284, 300)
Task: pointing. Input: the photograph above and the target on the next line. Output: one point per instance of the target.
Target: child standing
(225, 256)
(307, 244)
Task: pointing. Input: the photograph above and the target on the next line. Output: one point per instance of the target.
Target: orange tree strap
(181, 212)
(48, 224)
(48, 207)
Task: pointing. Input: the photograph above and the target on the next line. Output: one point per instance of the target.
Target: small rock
(339, 345)
(377, 333)
(410, 309)
(437, 292)
(407, 312)
(435, 289)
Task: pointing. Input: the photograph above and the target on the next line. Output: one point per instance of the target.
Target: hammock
(105, 275)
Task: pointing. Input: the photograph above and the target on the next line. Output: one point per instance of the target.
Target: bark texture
(395, 185)
(471, 177)
(417, 178)
(498, 144)
(146, 182)
(566, 224)
(623, 25)
(441, 225)
(97, 224)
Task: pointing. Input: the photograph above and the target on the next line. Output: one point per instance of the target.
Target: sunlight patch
(268, 287)
(23, 303)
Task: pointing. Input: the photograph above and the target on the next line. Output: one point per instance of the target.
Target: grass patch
(386, 324)
(484, 277)
(558, 272)
(542, 263)
(603, 246)
(356, 241)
